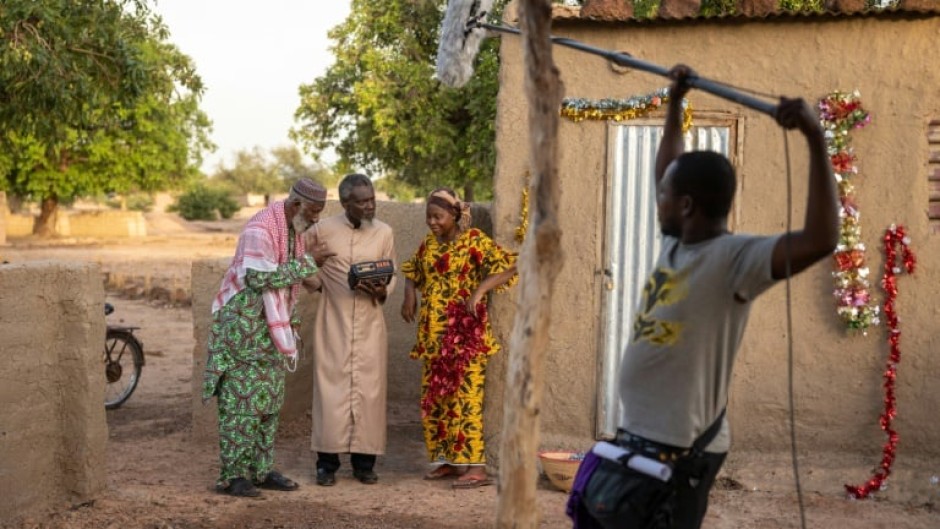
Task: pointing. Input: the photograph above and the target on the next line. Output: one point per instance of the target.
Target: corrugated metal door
(633, 241)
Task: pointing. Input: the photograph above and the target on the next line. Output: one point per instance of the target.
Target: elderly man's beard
(300, 223)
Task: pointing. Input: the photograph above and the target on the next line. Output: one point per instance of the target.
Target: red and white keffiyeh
(263, 246)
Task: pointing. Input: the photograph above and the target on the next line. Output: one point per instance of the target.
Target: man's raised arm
(820, 232)
(673, 144)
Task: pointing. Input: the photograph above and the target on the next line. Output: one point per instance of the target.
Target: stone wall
(53, 433)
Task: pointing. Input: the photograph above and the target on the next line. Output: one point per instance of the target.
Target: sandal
(441, 472)
(277, 481)
(471, 483)
(241, 487)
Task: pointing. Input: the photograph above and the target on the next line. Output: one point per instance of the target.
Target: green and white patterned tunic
(246, 372)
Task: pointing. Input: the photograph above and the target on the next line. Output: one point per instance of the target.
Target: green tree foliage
(290, 165)
(645, 8)
(59, 55)
(381, 109)
(142, 202)
(93, 99)
(397, 190)
(718, 7)
(251, 173)
(273, 172)
(204, 202)
(812, 6)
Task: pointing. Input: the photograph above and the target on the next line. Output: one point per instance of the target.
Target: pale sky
(252, 57)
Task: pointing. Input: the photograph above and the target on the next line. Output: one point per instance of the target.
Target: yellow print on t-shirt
(664, 287)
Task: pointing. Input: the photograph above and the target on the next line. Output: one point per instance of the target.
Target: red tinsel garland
(893, 238)
(462, 342)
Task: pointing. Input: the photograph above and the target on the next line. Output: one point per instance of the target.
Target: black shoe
(325, 478)
(277, 481)
(241, 487)
(367, 477)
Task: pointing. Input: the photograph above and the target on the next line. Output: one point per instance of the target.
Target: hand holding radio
(372, 278)
(377, 291)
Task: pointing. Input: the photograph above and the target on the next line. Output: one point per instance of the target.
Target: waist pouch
(611, 494)
(619, 495)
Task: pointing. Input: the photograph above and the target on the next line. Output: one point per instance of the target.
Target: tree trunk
(48, 213)
(468, 192)
(538, 267)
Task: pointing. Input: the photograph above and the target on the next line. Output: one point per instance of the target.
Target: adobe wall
(99, 224)
(3, 218)
(103, 224)
(839, 393)
(404, 374)
(52, 422)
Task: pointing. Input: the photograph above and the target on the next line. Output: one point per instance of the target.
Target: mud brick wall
(3, 218)
(53, 432)
(84, 224)
(206, 277)
(108, 224)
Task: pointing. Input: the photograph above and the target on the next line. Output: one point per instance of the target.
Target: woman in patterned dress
(454, 269)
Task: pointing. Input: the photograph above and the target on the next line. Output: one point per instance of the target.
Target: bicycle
(123, 362)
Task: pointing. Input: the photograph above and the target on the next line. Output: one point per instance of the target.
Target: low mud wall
(100, 224)
(53, 432)
(169, 284)
(3, 218)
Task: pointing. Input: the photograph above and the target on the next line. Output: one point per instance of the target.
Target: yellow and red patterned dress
(445, 274)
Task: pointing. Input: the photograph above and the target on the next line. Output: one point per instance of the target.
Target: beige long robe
(350, 343)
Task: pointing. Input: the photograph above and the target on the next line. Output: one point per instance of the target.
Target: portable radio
(375, 273)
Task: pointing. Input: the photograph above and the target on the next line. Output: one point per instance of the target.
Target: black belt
(641, 445)
(664, 452)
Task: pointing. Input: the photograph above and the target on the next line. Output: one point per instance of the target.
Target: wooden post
(538, 266)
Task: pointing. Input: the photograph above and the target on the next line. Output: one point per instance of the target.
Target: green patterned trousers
(250, 400)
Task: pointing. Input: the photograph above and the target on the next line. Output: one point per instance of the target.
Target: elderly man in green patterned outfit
(253, 339)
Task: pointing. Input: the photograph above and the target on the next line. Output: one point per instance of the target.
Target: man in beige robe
(350, 343)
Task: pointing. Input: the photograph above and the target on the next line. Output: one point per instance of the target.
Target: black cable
(793, 451)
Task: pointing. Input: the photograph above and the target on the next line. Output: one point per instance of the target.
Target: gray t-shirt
(676, 370)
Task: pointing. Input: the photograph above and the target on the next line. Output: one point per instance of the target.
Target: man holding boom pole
(677, 368)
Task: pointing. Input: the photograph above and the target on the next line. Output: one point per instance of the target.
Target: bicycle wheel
(123, 358)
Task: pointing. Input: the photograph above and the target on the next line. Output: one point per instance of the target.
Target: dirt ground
(159, 479)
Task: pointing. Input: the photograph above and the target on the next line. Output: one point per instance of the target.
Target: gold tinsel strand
(523, 226)
(625, 113)
(578, 110)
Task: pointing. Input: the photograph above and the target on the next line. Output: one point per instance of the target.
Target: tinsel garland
(523, 226)
(579, 109)
(462, 342)
(840, 113)
(893, 239)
